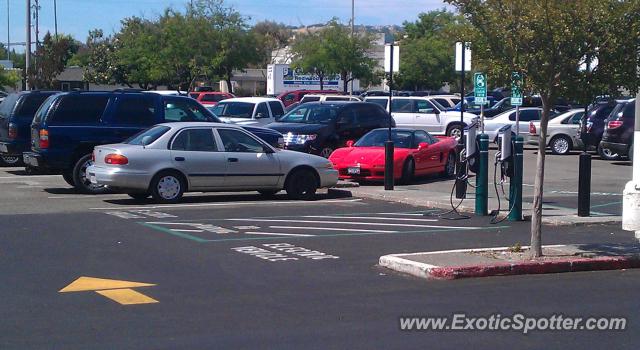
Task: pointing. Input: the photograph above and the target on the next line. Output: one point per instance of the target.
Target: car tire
(456, 131)
(560, 145)
(10, 161)
(68, 178)
(408, 171)
(450, 166)
(138, 196)
(80, 181)
(268, 193)
(301, 184)
(167, 187)
(607, 154)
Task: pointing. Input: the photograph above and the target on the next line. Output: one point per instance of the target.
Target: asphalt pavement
(238, 271)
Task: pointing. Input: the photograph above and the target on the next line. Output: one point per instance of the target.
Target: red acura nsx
(416, 153)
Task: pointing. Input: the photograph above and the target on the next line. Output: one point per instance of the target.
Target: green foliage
(333, 50)
(8, 79)
(427, 51)
(209, 40)
(50, 59)
(269, 37)
(547, 40)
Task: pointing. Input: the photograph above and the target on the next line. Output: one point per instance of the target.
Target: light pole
(8, 36)
(353, 11)
(27, 55)
(388, 145)
(55, 17)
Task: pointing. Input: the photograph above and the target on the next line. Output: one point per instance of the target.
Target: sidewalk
(466, 263)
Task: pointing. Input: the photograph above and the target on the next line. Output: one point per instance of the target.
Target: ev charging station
(475, 157)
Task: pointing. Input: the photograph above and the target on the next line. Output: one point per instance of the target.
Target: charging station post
(515, 184)
(482, 177)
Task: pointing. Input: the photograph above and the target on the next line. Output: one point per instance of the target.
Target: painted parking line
(23, 178)
(369, 217)
(330, 229)
(351, 223)
(280, 234)
(227, 204)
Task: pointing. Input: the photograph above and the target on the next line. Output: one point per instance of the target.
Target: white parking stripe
(22, 178)
(185, 230)
(226, 204)
(368, 217)
(332, 229)
(279, 234)
(357, 223)
(408, 214)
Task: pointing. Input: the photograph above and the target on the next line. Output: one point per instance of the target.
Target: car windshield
(234, 109)
(377, 138)
(438, 105)
(153, 133)
(311, 114)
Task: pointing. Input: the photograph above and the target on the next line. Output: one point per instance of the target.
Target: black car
(596, 116)
(321, 127)
(16, 114)
(618, 133)
(68, 125)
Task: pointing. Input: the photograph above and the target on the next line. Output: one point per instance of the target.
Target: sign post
(392, 64)
(482, 187)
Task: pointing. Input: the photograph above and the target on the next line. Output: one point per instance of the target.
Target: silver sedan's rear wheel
(167, 187)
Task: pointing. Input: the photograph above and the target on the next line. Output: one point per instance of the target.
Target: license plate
(31, 161)
(3, 148)
(353, 171)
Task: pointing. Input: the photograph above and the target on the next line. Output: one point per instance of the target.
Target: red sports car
(416, 153)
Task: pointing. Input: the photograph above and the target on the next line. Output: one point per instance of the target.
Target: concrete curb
(396, 262)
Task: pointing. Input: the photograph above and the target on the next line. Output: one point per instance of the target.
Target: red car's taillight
(44, 138)
(116, 159)
(532, 129)
(13, 131)
(614, 124)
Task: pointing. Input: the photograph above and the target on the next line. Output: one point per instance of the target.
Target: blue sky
(77, 17)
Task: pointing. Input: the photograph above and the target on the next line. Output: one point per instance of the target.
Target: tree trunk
(536, 215)
(321, 76)
(345, 82)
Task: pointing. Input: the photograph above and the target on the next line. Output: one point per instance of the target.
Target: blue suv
(16, 114)
(68, 125)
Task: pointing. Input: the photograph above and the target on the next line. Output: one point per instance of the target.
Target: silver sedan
(170, 159)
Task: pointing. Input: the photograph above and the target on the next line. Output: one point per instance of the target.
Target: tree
(234, 46)
(333, 50)
(136, 51)
(270, 37)
(102, 65)
(8, 78)
(310, 55)
(50, 59)
(546, 40)
(427, 57)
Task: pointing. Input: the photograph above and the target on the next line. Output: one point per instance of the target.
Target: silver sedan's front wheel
(167, 187)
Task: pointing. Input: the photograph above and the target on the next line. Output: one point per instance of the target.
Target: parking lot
(244, 271)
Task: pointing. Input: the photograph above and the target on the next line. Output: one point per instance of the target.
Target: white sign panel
(387, 58)
(467, 57)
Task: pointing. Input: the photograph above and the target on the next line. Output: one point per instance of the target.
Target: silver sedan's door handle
(179, 159)
(232, 160)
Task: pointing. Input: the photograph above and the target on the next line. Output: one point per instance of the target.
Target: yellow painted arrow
(116, 290)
